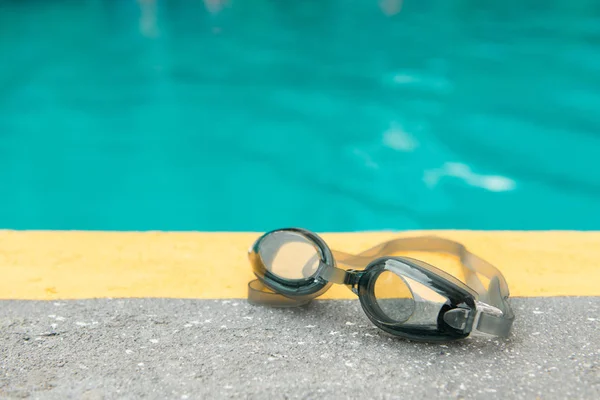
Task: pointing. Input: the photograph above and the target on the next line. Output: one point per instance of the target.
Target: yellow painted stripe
(77, 265)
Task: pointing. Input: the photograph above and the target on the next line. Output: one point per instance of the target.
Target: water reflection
(493, 183)
(390, 7)
(149, 10)
(148, 18)
(215, 6)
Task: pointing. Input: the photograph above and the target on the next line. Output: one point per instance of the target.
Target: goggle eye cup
(289, 261)
(404, 298)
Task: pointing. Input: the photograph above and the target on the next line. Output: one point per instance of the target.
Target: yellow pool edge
(52, 265)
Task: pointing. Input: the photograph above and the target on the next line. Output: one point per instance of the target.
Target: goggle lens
(393, 296)
(289, 255)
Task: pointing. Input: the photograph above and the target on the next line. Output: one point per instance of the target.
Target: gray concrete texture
(197, 349)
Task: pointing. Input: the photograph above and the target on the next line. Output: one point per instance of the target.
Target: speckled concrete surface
(186, 349)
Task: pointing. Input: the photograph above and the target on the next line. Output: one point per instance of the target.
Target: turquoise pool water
(331, 115)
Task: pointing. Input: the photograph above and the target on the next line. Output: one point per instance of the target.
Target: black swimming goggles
(403, 296)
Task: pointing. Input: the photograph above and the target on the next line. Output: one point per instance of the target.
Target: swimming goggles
(401, 295)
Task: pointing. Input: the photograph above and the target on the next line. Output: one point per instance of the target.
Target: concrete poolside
(86, 315)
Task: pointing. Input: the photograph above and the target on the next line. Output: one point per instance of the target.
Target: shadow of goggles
(401, 295)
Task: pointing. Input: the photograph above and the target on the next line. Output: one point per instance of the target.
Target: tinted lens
(289, 255)
(393, 296)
